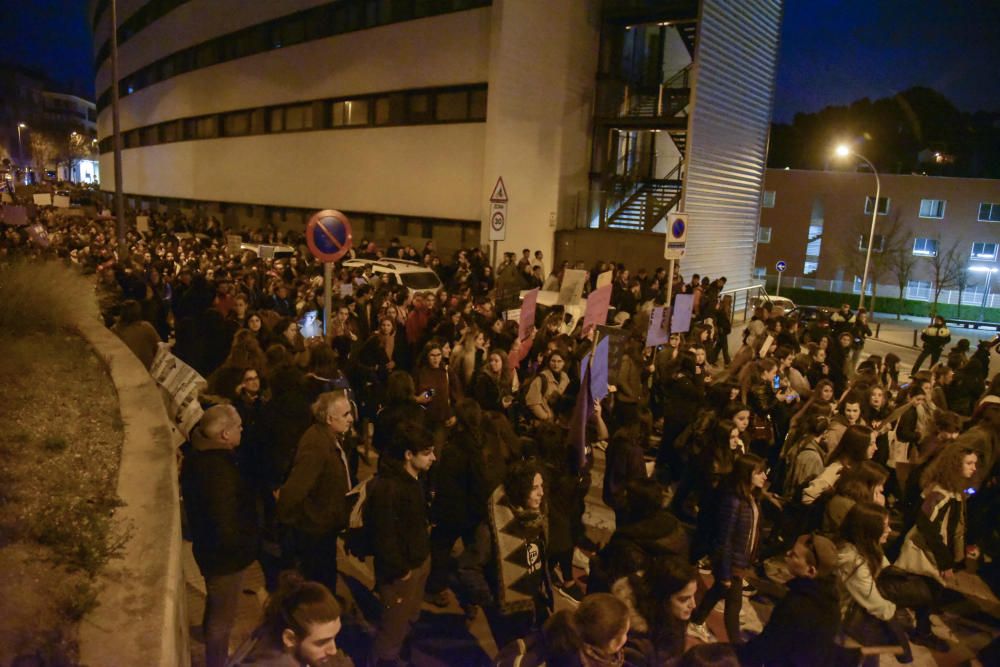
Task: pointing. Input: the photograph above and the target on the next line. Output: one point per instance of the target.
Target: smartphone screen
(777, 382)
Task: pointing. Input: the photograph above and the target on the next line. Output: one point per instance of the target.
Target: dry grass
(60, 448)
(43, 297)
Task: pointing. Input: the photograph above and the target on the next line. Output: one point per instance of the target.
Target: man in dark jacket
(401, 542)
(806, 621)
(313, 500)
(222, 519)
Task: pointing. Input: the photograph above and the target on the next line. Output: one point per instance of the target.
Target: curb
(141, 618)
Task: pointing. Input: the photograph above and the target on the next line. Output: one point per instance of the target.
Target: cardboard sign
(572, 286)
(16, 216)
(658, 333)
(233, 243)
(6, 198)
(599, 370)
(604, 279)
(597, 308)
(680, 319)
(42, 199)
(346, 289)
(526, 317)
(181, 384)
(142, 223)
(60, 201)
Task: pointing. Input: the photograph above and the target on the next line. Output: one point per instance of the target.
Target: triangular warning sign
(499, 191)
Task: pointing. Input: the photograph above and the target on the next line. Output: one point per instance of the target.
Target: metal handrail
(746, 303)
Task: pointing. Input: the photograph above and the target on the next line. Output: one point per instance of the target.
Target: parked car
(412, 275)
(782, 302)
(809, 313)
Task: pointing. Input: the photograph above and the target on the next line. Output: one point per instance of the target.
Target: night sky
(832, 51)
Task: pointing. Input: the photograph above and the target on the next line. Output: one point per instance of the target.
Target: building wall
(842, 196)
(543, 56)
(429, 170)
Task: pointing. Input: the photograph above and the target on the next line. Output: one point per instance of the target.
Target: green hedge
(888, 304)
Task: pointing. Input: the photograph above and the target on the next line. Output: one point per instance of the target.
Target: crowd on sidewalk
(876, 487)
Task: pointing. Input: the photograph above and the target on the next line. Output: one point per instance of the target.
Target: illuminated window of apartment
(767, 201)
(932, 208)
(925, 247)
(982, 250)
(349, 112)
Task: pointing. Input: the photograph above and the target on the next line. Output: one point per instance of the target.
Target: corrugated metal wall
(735, 63)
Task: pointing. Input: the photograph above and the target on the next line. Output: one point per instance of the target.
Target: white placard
(60, 201)
(42, 198)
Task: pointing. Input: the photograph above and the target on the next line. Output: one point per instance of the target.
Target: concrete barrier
(141, 618)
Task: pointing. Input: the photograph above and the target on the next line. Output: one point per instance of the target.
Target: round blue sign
(781, 266)
(328, 235)
(677, 229)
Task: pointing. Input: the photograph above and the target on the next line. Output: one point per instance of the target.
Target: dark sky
(832, 51)
(837, 51)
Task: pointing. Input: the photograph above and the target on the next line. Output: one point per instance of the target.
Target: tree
(902, 263)
(45, 149)
(946, 270)
(962, 283)
(890, 236)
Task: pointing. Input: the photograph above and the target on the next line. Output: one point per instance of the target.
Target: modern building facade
(599, 116)
(928, 229)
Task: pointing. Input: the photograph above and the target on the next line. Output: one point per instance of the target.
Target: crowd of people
(424, 432)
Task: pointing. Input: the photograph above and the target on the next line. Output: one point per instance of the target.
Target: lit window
(932, 208)
(925, 247)
(982, 250)
(883, 205)
(856, 288)
(350, 112)
(989, 212)
(810, 267)
(763, 235)
(767, 201)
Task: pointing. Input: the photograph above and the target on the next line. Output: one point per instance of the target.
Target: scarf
(591, 656)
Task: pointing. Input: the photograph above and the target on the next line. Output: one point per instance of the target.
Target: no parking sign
(677, 229)
(328, 235)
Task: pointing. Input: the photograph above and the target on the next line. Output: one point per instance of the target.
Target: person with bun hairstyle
(300, 627)
(592, 635)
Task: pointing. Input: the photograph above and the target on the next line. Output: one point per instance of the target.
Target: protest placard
(680, 318)
(42, 198)
(60, 201)
(572, 286)
(526, 317)
(142, 223)
(598, 303)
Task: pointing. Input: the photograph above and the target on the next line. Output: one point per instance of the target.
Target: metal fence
(922, 291)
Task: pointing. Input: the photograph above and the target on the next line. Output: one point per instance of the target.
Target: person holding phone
(433, 385)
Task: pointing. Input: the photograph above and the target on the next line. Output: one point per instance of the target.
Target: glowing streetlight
(843, 151)
(20, 150)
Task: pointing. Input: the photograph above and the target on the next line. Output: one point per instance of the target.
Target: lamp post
(844, 151)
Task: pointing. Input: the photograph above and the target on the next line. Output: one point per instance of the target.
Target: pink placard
(526, 319)
(597, 308)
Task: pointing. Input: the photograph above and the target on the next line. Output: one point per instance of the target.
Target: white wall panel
(728, 129)
(432, 171)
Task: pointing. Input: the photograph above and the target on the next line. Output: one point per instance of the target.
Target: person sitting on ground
(300, 628)
(805, 623)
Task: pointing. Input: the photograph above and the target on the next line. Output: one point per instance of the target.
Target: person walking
(935, 337)
(401, 545)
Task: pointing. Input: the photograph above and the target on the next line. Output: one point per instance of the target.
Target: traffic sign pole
(777, 290)
(328, 235)
(327, 296)
(498, 217)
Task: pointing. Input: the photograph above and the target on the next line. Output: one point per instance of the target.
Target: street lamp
(20, 150)
(844, 151)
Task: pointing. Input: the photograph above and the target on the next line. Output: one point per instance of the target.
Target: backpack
(358, 539)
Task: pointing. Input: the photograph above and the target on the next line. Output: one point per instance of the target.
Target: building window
(810, 267)
(452, 106)
(299, 117)
(763, 235)
(236, 124)
(207, 127)
(390, 109)
(989, 212)
(349, 112)
(759, 272)
(932, 208)
(883, 205)
(277, 123)
(973, 295)
(983, 250)
(477, 104)
(767, 201)
(856, 288)
(877, 247)
(418, 108)
(919, 290)
(925, 247)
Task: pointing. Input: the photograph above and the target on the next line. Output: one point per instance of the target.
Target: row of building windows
(457, 104)
(327, 20)
(929, 208)
(143, 17)
(923, 247)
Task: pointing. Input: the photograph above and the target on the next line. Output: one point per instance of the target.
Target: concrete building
(599, 116)
(928, 228)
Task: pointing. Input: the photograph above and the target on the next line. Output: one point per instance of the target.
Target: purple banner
(526, 319)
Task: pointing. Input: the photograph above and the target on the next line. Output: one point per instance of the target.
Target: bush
(43, 297)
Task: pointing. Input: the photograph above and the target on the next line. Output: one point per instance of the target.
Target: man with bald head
(222, 521)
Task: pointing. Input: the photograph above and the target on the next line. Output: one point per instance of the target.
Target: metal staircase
(650, 201)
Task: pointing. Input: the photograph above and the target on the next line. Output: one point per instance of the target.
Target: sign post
(498, 216)
(780, 268)
(328, 235)
(676, 246)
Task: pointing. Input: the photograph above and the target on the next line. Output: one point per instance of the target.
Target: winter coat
(935, 338)
(738, 538)
(400, 529)
(220, 507)
(856, 584)
(937, 541)
(625, 461)
(802, 629)
(313, 499)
